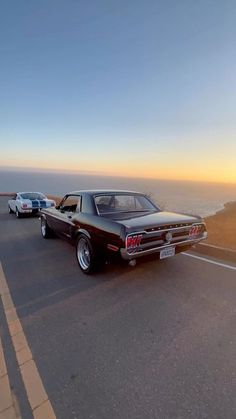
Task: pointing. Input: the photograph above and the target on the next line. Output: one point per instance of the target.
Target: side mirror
(59, 208)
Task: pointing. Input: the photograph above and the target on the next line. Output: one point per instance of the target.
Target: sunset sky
(128, 87)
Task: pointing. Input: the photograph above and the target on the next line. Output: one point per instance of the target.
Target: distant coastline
(200, 198)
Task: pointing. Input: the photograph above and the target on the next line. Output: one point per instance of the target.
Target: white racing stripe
(223, 265)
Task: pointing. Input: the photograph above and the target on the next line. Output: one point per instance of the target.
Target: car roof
(104, 192)
(20, 193)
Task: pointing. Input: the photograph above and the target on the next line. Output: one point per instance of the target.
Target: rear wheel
(45, 229)
(10, 210)
(86, 256)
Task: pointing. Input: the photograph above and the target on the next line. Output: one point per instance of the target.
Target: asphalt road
(154, 341)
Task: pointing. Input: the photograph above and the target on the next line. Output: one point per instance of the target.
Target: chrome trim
(126, 255)
(183, 228)
(184, 238)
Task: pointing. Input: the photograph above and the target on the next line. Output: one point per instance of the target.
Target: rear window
(32, 196)
(123, 203)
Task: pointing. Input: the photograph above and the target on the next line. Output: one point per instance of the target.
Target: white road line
(223, 265)
(217, 247)
(37, 396)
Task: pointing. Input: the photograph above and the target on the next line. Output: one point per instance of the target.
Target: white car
(28, 203)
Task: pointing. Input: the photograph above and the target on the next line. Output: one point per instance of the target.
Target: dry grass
(221, 227)
(57, 199)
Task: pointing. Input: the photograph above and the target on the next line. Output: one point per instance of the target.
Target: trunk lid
(148, 222)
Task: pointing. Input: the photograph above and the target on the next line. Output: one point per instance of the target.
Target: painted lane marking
(217, 247)
(223, 265)
(8, 409)
(37, 396)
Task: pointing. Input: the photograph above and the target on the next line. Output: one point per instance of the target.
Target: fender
(82, 231)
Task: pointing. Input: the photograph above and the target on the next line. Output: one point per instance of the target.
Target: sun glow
(159, 170)
(171, 159)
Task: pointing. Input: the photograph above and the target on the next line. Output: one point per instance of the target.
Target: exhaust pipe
(132, 262)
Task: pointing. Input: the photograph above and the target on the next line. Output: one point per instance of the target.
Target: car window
(119, 202)
(71, 203)
(32, 196)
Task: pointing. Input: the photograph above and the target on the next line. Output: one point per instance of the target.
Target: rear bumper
(29, 210)
(179, 247)
(25, 211)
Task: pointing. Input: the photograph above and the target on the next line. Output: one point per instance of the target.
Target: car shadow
(44, 273)
(47, 273)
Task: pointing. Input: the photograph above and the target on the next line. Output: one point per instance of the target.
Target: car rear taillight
(195, 230)
(133, 242)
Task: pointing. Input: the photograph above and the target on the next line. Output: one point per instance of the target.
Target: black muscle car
(104, 223)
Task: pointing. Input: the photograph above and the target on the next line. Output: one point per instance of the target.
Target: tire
(18, 214)
(86, 256)
(10, 210)
(45, 229)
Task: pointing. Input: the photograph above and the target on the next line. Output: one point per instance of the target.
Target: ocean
(184, 196)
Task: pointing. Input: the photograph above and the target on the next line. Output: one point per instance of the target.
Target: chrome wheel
(43, 227)
(84, 254)
(18, 214)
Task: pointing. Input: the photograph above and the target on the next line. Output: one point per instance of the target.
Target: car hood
(154, 219)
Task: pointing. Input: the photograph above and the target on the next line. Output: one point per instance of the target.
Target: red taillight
(195, 230)
(132, 242)
(24, 206)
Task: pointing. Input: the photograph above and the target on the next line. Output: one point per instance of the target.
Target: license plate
(168, 252)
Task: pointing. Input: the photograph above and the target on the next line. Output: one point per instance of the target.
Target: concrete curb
(216, 252)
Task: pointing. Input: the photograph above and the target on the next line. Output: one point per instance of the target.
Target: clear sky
(127, 87)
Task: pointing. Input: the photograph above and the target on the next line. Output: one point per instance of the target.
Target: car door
(63, 224)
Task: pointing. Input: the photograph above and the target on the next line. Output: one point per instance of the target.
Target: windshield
(123, 203)
(32, 195)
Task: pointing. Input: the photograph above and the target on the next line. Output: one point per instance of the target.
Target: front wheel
(45, 229)
(18, 213)
(85, 254)
(10, 210)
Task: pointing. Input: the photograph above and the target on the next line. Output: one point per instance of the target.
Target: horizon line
(106, 174)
